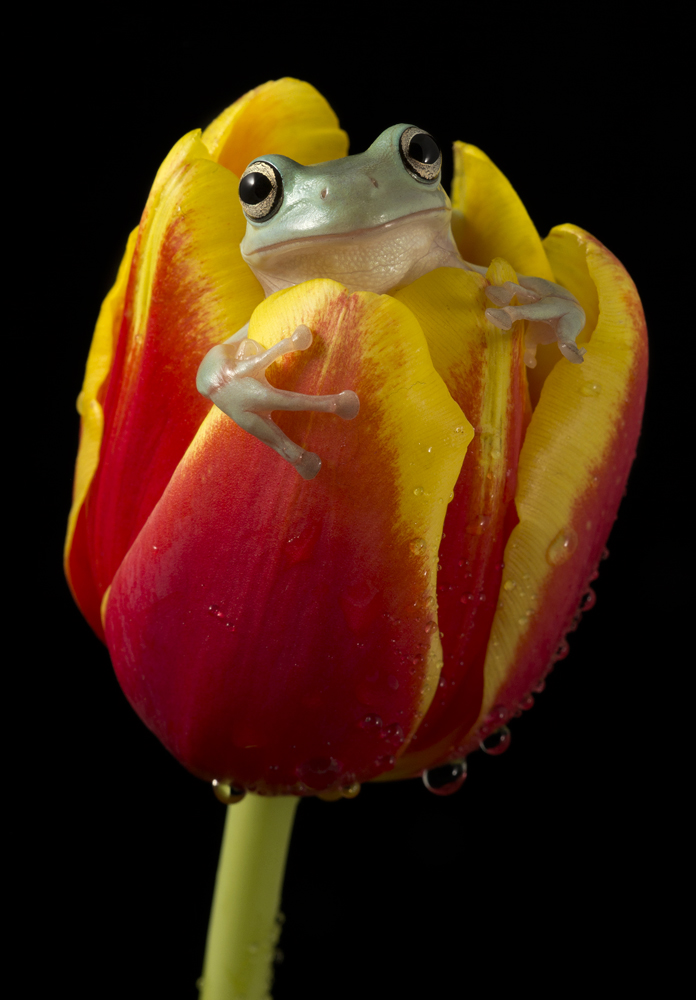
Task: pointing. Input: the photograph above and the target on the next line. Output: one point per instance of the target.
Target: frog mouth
(367, 232)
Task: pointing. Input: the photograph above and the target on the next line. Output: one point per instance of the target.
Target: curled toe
(301, 338)
(571, 351)
(308, 465)
(347, 404)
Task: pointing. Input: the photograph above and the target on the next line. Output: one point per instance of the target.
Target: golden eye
(260, 191)
(421, 154)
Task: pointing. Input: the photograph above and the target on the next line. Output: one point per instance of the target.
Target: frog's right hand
(232, 375)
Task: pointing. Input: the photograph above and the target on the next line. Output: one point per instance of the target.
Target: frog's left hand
(233, 376)
(552, 311)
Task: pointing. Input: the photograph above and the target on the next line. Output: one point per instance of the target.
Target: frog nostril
(374, 181)
(324, 192)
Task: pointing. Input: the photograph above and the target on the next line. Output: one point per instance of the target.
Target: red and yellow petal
(484, 371)
(573, 468)
(489, 220)
(188, 289)
(182, 287)
(282, 633)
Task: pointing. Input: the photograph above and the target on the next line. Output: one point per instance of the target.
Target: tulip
(297, 638)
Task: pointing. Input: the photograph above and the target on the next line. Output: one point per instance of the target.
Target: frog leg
(552, 311)
(232, 375)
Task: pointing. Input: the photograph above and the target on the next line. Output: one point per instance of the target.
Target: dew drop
(478, 525)
(371, 723)
(418, 545)
(446, 779)
(419, 491)
(589, 600)
(385, 763)
(590, 389)
(393, 734)
(562, 547)
(459, 430)
(562, 651)
(350, 791)
(430, 628)
(497, 742)
(509, 585)
(317, 767)
(226, 793)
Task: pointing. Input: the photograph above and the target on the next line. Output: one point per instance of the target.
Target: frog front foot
(553, 314)
(232, 375)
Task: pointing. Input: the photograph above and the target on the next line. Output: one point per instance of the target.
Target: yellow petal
(285, 116)
(573, 467)
(489, 217)
(409, 416)
(88, 406)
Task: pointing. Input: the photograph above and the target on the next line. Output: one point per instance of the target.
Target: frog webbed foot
(553, 314)
(232, 375)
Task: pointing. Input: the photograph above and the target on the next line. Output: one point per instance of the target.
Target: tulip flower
(382, 621)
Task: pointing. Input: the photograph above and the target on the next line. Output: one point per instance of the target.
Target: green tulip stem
(244, 925)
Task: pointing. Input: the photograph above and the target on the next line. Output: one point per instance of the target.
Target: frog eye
(421, 154)
(260, 191)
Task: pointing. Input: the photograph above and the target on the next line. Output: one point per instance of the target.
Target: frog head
(374, 221)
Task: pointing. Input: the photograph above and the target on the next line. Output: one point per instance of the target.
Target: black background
(553, 862)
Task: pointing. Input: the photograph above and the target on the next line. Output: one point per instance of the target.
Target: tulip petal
(282, 116)
(77, 567)
(188, 289)
(490, 220)
(182, 288)
(573, 468)
(484, 371)
(258, 616)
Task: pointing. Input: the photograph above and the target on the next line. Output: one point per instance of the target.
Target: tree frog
(375, 222)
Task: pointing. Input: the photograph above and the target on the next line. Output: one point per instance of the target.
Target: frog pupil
(423, 149)
(254, 188)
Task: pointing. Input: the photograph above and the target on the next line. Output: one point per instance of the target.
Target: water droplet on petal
(350, 791)
(317, 767)
(430, 628)
(393, 734)
(372, 723)
(417, 546)
(562, 547)
(590, 389)
(589, 600)
(226, 793)
(446, 779)
(509, 585)
(478, 525)
(418, 492)
(497, 742)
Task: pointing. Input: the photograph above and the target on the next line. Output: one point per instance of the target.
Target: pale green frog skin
(374, 222)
